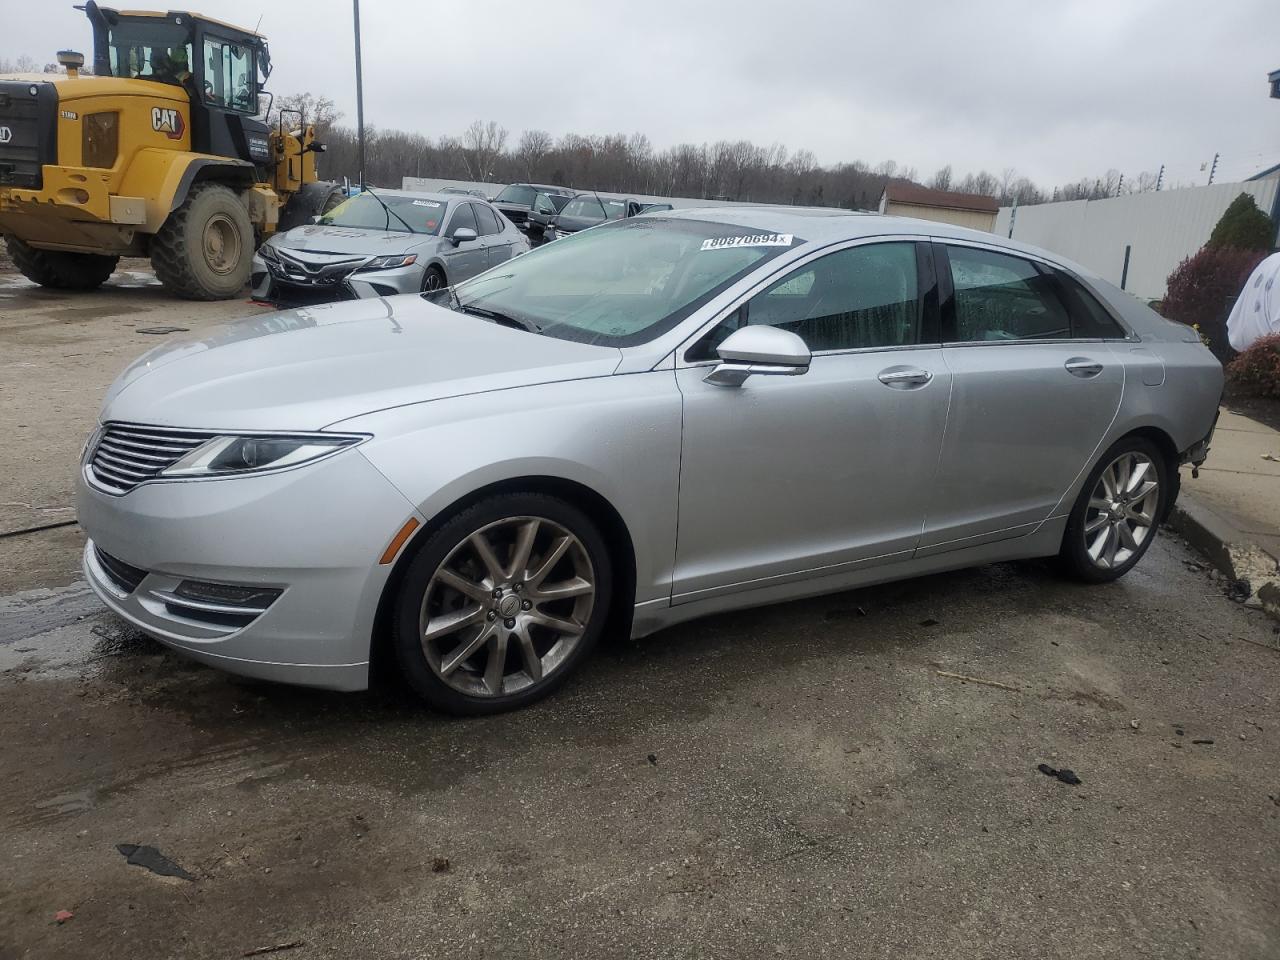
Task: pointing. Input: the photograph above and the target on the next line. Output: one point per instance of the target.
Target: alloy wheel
(1121, 516)
(507, 606)
(431, 281)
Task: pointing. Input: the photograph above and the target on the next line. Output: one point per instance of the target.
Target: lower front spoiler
(342, 676)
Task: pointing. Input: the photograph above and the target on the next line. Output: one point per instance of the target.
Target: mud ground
(804, 780)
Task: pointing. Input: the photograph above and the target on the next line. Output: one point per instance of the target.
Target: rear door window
(488, 222)
(1002, 297)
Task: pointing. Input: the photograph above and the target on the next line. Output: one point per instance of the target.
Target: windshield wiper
(390, 213)
(505, 319)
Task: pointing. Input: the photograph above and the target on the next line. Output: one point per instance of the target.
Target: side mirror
(316, 218)
(463, 235)
(761, 350)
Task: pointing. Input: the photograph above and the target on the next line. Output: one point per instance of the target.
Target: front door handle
(905, 378)
(1083, 367)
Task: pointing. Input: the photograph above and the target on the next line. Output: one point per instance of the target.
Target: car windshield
(594, 208)
(408, 214)
(624, 283)
(515, 194)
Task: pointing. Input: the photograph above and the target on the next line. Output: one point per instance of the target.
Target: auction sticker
(752, 240)
(425, 203)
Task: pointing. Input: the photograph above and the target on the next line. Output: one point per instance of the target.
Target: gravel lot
(814, 779)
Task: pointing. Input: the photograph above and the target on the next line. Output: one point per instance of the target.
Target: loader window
(149, 50)
(230, 75)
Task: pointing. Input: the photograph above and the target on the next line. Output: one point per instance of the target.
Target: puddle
(57, 634)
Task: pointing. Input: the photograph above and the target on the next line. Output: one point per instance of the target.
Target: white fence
(432, 185)
(1160, 229)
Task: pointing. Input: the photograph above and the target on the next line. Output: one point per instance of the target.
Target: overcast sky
(1058, 90)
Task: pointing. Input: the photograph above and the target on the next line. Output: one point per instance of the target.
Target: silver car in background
(662, 417)
(384, 242)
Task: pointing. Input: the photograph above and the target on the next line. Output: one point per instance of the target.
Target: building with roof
(974, 210)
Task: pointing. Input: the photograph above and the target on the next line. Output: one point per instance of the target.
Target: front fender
(163, 179)
(617, 435)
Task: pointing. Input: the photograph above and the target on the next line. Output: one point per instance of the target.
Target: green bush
(1203, 288)
(1256, 372)
(1243, 226)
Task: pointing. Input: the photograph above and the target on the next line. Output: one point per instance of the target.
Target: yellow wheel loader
(159, 154)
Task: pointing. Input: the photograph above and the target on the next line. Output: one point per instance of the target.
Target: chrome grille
(128, 454)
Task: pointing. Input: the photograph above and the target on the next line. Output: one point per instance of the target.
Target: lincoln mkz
(663, 417)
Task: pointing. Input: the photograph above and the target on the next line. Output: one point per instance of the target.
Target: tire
(204, 250)
(433, 279)
(1117, 513)
(457, 669)
(58, 269)
(312, 200)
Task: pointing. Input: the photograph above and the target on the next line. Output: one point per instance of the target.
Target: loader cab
(221, 68)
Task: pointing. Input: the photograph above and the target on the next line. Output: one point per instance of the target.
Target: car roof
(831, 225)
(544, 187)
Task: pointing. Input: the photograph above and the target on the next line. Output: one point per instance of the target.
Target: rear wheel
(1118, 511)
(502, 603)
(204, 250)
(58, 269)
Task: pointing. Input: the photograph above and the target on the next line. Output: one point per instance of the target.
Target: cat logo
(169, 122)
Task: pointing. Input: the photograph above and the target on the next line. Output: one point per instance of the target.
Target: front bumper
(315, 533)
(269, 282)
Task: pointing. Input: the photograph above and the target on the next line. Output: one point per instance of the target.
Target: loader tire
(204, 250)
(58, 269)
(312, 200)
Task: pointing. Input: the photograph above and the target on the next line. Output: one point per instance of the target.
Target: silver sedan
(658, 419)
(381, 243)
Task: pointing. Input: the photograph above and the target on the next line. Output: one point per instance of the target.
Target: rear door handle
(1083, 367)
(905, 378)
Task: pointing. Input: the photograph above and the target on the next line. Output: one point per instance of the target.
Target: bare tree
(318, 110)
(482, 144)
(942, 179)
(532, 149)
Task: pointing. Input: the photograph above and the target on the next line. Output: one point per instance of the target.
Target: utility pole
(1213, 169)
(1160, 177)
(359, 96)
(1118, 187)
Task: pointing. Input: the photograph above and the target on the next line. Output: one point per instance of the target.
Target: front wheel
(204, 250)
(1116, 515)
(433, 279)
(502, 603)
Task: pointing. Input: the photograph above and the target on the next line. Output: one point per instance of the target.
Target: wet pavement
(802, 780)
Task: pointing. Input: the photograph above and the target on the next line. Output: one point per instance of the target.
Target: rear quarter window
(1090, 320)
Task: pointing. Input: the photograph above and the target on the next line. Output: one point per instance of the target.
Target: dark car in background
(516, 200)
(590, 209)
(546, 207)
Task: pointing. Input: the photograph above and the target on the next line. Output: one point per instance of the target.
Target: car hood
(574, 224)
(320, 239)
(307, 369)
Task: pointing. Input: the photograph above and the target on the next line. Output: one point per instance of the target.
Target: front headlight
(230, 455)
(268, 252)
(387, 263)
